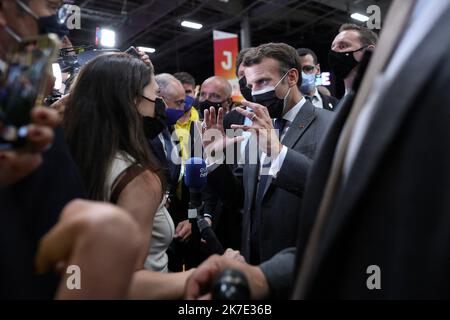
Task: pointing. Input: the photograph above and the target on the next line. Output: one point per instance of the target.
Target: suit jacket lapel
(296, 130)
(251, 171)
(386, 122)
(300, 124)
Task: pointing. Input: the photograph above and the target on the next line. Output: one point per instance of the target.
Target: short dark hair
(305, 51)
(185, 77)
(286, 55)
(240, 58)
(367, 37)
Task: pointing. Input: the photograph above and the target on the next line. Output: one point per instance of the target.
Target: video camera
(71, 60)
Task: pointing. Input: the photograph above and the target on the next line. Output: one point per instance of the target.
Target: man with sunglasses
(310, 70)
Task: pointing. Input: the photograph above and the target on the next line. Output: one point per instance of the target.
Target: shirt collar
(317, 94)
(291, 114)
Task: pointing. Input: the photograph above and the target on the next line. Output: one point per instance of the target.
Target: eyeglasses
(308, 69)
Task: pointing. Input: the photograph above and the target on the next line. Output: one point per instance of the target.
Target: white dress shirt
(316, 100)
(277, 163)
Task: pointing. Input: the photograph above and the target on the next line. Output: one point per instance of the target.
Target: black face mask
(205, 105)
(156, 125)
(268, 98)
(273, 104)
(51, 24)
(46, 25)
(342, 63)
(245, 91)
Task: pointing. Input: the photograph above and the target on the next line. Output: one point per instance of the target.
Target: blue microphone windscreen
(196, 173)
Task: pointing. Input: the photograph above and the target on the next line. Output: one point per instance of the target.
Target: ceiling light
(360, 17)
(192, 25)
(107, 38)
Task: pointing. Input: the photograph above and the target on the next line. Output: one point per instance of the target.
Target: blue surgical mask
(188, 103)
(173, 115)
(308, 83)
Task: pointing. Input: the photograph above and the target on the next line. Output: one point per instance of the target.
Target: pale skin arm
(102, 240)
(141, 198)
(109, 245)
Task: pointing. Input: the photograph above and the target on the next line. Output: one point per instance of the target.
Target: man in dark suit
(275, 169)
(376, 213)
(36, 181)
(310, 69)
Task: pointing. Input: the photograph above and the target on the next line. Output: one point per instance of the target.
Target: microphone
(212, 243)
(231, 285)
(195, 179)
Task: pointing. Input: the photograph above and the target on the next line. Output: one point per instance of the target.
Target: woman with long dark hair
(112, 111)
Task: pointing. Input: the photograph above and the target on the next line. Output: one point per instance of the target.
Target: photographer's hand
(145, 58)
(17, 164)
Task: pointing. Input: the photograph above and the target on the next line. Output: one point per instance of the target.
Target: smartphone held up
(24, 86)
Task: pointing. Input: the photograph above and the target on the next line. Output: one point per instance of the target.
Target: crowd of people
(305, 191)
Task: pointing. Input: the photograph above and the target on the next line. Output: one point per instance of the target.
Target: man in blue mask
(310, 71)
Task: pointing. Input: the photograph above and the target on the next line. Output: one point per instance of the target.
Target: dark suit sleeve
(279, 272)
(293, 173)
(227, 185)
(210, 200)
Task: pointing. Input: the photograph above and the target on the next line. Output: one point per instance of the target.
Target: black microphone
(212, 243)
(231, 285)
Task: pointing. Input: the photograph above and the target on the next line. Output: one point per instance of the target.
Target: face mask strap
(360, 49)
(27, 9)
(12, 34)
(148, 99)
(282, 79)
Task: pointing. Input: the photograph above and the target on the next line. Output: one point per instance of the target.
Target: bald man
(215, 92)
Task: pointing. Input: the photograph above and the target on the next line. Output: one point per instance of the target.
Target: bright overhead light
(107, 38)
(192, 25)
(360, 17)
(147, 50)
(58, 76)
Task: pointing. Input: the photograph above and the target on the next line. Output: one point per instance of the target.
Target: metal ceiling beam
(138, 21)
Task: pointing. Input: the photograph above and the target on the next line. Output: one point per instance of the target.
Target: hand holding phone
(24, 86)
(133, 52)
